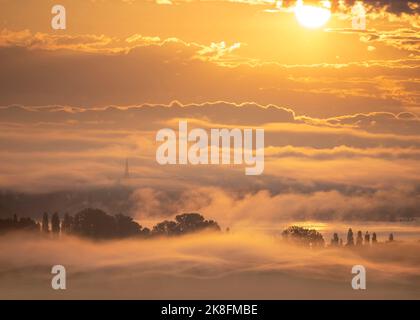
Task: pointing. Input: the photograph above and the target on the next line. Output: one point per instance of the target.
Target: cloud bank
(234, 266)
(361, 166)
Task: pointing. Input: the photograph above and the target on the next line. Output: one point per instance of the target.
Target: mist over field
(239, 265)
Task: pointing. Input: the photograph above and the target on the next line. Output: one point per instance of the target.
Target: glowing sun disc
(311, 16)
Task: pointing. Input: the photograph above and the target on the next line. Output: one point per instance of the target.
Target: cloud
(164, 2)
(84, 43)
(341, 152)
(386, 5)
(101, 44)
(264, 208)
(369, 161)
(196, 73)
(400, 38)
(336, 124)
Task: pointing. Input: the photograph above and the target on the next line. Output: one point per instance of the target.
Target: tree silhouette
(374, 241)
(55, 223)
(97, 224)
(125, 226)
(359, 240)
(367, 238)
(350, 239)
(300, 235)
(193, 222)
(184, 223)
(67, 223)
(28, 224)
(45, 227)
(165, 228)
(16, 224)
(335, 240)
(146, 232)
(94, 223)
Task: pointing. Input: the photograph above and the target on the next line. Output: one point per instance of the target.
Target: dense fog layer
(236, 265)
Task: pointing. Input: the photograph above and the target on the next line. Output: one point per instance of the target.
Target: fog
(266, 207)
(238, 265)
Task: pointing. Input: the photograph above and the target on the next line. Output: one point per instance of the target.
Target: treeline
(303, 236)
(361, 240)
(13, 224)
(312, 238)
(97, 224)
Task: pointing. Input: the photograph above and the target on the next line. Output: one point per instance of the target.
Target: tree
(184, 223)
(165, 228)
(126, 227)
(350, 239)
(374, 241)
(193, 222)
(146, 232)
(359, 240)
(367, 238)
(15, 224)
(55, 223)
(94, 223)
(300, 235)
(45, 227)
(66, 225)
(335, 240)
(28, 224)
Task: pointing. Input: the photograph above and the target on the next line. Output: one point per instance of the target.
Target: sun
(311, 16)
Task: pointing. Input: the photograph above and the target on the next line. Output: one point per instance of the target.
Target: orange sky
(198, 51)
(340, 106)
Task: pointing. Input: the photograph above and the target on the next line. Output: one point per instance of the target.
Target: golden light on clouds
(86, 92)
(311, 16)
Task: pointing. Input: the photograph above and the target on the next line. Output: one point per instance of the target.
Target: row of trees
(360, 240)
(311, 237)
(13, 224)
(95, 223)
